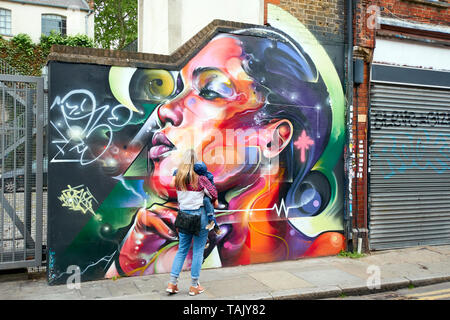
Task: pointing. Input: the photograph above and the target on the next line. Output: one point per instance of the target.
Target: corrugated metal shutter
(409, 180)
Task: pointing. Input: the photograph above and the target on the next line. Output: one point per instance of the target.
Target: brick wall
(421, 11)
(324, 18)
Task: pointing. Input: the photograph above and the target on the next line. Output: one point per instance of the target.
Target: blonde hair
(186, 174)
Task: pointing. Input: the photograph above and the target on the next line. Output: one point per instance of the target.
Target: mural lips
(161, 146)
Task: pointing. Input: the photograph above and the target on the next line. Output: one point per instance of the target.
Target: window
(5, 21)
(51, 22)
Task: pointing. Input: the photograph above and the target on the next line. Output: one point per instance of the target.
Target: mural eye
(153, 85)
(212, 84)
(209, 94)
(159, 84)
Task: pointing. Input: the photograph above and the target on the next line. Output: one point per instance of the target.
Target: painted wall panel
(262, 110)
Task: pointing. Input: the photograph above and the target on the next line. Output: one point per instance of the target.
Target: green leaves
(352, 255)
(28, 58)
(79, 40)
(115, 27)
(115, 23)
(24, 43)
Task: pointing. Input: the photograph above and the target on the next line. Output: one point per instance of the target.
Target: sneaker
(193, 291)
(210, 225)
(172, 288)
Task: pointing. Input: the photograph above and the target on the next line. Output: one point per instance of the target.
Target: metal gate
(409, 180)
(21, 171)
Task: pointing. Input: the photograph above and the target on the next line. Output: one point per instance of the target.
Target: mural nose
(170, 113)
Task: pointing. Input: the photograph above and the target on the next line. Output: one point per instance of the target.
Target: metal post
(14, 170)
(3, 172)
(28, 159)
(39, 167)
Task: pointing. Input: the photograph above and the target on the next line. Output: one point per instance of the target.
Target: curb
(355, 289)
(425, 281)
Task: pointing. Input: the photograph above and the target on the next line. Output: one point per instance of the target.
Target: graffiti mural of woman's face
(262, 107)
(256, 112)
(215, 114)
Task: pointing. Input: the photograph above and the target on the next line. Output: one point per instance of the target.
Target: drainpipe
(86, 20)
(348, 216)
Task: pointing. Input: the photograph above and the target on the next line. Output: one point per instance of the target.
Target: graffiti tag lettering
(411, 153)
(77, 199)
(411, 119)
(82, 122)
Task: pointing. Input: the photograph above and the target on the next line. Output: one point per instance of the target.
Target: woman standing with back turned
(191, 189)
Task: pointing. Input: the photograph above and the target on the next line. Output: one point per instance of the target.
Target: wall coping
(414, 25)
(120, 58)
(438, 4)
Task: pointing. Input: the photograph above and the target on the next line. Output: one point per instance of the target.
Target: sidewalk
(312, 278)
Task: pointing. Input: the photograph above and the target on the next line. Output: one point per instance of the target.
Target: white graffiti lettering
(83, 125)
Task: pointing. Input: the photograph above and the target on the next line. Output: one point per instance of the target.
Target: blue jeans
(184, 246)
(209, 209)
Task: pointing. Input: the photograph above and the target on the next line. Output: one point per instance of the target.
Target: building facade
(37, 17)
(398, 123)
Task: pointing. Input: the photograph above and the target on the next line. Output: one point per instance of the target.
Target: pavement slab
(92, 292)
(149, 285)
(236, 286)
(118, 289)
(330, 276)
(280, 280)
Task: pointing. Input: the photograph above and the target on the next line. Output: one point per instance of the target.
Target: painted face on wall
(256, 111)
(215, 114)
(254, 107)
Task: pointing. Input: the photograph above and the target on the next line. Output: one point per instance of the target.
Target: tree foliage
(80, 40)
(28, 58)
(115, 23)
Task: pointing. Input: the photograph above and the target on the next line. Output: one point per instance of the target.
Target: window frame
(63, 21)
(6, 28)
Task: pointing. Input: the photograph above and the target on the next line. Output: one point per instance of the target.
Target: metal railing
(21, 170)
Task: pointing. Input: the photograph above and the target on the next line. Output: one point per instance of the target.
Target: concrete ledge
(393, 284)
(136, 297)
(251, 296)
(308, 293)
(356, 289)
(290, 294)
(421, 281)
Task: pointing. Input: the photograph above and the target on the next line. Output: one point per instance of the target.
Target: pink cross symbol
(303, 142)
